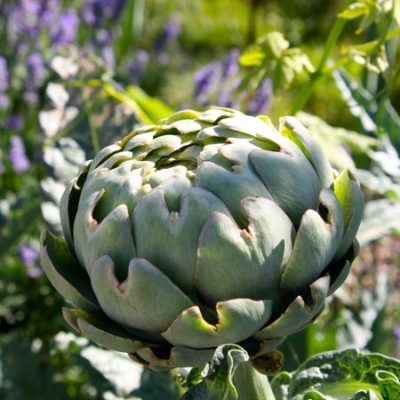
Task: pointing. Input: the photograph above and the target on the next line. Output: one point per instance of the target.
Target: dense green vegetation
(78, 75)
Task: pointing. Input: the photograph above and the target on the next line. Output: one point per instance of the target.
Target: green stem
(316, 76)
(92, 129)
(250, 384)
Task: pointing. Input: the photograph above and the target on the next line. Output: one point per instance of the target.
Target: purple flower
(97, 12)
(4, 84)
(48, 12)
(4, 101)
(225, 99)
(31, 96)
(66, 29)
(396, 333)
(261, 98)
(28, 15)
(30, 7)
(92, 12)
(226, 94)
(204, 80)
(17, 156)
(170, 32)
(107, 54)
(103, 37)
(14, 122)
(36, 69)
(117, 7)
(230, 64)
(17, 21)
(28, 255)
(139, 65)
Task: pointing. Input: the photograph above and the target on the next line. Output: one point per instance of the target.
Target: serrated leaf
(349, 374)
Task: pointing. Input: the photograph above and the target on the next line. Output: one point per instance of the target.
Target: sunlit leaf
(348, 374)
(273, 57)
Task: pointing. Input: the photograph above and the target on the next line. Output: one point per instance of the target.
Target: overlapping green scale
(211, 227)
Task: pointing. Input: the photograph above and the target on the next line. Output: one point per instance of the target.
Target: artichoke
(208, 228)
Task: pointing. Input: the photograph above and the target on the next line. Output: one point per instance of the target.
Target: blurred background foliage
(77, 75)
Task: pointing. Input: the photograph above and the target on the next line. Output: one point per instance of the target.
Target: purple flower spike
(170, 32)
(31, 7)
(4, 101)
(103, 37)
(139, 65)
(204, 81)
(107, 54)
(14, 122)
(117, 8)
(36, 69)
(31, 97)
(97, 12)
(230, 65)
(65, 32)
(49, 11)
(27, 254)
(17, 156)
(4, 84)
(261, 99)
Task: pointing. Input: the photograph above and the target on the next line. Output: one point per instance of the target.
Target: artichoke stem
(250, 384)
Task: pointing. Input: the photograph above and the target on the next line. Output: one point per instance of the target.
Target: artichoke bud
(208, 228)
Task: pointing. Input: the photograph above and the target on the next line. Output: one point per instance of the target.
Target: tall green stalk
(318, 74)
(250, 384)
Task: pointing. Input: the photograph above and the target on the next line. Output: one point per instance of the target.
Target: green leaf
(153, 107)
(273, 57)
(148, 110)
(369, 10)
(252, 57)
(218, 382)
(35, 380)
(389, 384)
(344, 193)
(348, 374)
(363, 106)
(357, 9)
(381, 217)
(359, 100)
(132, 26)
(334, 139)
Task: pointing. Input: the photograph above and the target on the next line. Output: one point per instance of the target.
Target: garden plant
(199, 200)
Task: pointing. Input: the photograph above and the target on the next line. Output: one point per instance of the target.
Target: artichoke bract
(209, 228)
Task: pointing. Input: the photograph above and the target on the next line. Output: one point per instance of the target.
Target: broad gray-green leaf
(348, 374)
